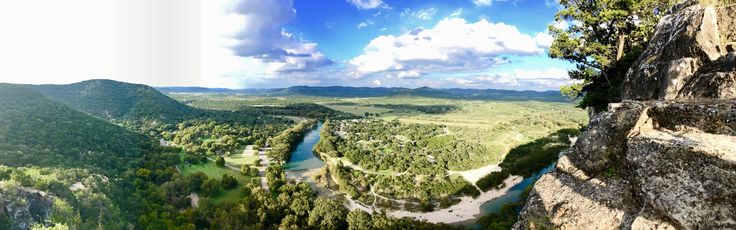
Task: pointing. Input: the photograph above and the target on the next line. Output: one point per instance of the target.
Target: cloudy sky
(278, 43)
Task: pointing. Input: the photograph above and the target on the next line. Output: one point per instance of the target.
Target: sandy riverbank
(474, 175)
(467, 209)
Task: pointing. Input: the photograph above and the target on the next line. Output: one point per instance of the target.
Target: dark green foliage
(603, 40)
(309, 110)
(275, 175)
(327, 214)
(35, 130)
(528, 159)
(5, 222)
(428, 109)
(284, 143)
(507, 216)
(117, 100)
(220, 161)
(493, 180)
(228, 182)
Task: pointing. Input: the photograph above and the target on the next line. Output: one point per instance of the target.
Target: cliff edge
(665, 158)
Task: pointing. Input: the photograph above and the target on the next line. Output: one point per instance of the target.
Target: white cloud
(365, 24)
(367, 4)
(262, 37)
(457, 12)
(423, 14)
(438, 49)
(482, 2)
(551, 78)
(377, 82)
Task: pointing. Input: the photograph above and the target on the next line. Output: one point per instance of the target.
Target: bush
(220, 161)
(228, 182)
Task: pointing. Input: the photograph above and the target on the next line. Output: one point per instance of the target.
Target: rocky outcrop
(726, 23)
(681, 44)
(664, 160)
(26, 207)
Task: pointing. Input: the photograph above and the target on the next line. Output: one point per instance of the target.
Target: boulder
(689, 177)
(681, 43)
(726, 23)
(710, 85)
(27, 207)
(606, 137)
(568, 198)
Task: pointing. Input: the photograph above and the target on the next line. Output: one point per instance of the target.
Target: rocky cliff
(26, 208)
(665, 158)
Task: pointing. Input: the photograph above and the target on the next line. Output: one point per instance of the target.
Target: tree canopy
(603, 39)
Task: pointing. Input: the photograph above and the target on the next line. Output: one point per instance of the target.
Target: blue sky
(279, 43)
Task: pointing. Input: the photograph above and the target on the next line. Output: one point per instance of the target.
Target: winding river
(303, 160)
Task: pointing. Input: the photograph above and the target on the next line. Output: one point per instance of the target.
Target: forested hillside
(35, 130)
(120, 101)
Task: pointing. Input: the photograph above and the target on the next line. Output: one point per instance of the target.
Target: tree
(603, 39)
(359, 219)
(327, 214)
(220, 161)
(228, 182)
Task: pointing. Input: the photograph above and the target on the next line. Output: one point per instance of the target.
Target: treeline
(224, 135)
(427, 109)
(158, 199)
(308, 110)
(393, 146)
(528, 159)
(284, 143)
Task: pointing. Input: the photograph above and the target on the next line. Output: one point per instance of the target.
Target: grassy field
(239, 159)
(214, 172)
(357, 110)
(498, 125)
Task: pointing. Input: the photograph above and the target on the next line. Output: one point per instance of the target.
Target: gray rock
(710, 85)
(606, 137)
(689, 177)
(567, 198)
(27, 207)
(682, 42)
(726, 23)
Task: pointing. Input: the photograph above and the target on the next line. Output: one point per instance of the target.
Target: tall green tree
(602, 38)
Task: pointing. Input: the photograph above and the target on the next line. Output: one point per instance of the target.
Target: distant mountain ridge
(347, 92)
(38, 131)
(117, 100)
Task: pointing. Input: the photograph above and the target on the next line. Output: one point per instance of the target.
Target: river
(303, 160)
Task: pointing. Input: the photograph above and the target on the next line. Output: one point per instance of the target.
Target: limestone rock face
(606, 137)
(26, 207)
(665, 158)
(688, 177)
(682, 42)
(676, 169)
(726, 23)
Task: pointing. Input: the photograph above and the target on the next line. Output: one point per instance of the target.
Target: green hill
(118, 101)
(35, 130)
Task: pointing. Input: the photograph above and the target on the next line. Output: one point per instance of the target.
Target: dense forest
(401, 161)
(133, 183)
(35, 130)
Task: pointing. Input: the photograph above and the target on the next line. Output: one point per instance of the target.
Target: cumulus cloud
(367, 4)
(551, 78)
(262, 37)
(438, 49)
